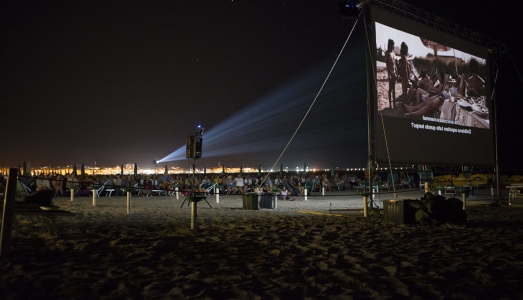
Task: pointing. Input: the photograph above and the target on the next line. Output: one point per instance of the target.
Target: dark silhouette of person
(475, 85)
(404, 71)
(390, 61)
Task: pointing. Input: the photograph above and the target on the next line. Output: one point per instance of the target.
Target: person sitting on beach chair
(165, 182)
(284, 194)
(42, 183)
(293, 185)
(147, 187)
(58, 186)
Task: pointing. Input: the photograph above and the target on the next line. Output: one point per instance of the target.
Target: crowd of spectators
(238, 183)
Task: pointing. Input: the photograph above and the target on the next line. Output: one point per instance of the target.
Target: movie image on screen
(424, 80)
(431, 94)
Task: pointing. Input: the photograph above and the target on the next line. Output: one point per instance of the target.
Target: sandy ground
(383, 88)
(287, 253)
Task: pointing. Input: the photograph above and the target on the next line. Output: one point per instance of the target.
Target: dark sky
(125, 82)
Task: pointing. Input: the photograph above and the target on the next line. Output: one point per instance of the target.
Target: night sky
(121, 82)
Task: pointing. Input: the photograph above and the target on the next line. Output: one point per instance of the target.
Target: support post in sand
(305, 192)
(217, 193)
(365, 205)
(426, 187)
(464, 199)
(128, 202)
(9, 212)
(72, 193)
(94, 196)
(323, 190)
(177, 194)
(194, 215)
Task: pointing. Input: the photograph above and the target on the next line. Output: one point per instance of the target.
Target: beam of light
(266, 125)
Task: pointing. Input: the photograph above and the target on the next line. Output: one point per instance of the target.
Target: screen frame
(400, 140)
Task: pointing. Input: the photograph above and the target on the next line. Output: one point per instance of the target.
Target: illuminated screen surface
(432, 102)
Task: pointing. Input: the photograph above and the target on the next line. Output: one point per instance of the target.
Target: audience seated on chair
(147, 187)
(42, 183)
(58, 185)
(239, 184)
(284, 194)
(72, 182)
(325, 182)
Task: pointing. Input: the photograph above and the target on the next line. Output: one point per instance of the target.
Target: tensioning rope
(315, 98)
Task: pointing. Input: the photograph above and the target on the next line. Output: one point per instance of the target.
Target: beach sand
(383, 87)
(287, 253)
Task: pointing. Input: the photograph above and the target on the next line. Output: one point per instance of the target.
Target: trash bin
(399, 211)
(266, 200)
(250, 201)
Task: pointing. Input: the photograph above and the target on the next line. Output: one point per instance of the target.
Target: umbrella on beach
(434, 46)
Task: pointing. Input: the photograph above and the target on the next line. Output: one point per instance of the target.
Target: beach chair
(394, 181)
(99, 190)
(145, 192)
(137, 188)
(41, 197)
(425, 176)
(22, 190)
(210, 187)
(160, 192)
(109, 191)
(308, 186)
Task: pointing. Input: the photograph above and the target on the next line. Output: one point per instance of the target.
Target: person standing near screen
(390, 61)
(404, 71)
(475, 84)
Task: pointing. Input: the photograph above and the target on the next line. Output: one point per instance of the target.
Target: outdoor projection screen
(452, 126)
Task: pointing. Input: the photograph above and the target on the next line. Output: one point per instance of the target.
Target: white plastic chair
(109, 192)
(99, 190)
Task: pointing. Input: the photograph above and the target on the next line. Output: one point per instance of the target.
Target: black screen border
(407, 145)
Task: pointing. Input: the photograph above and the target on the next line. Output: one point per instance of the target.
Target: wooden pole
(194, 214)
(128, 202)
(94, 197)
(365, 206)
(9, 212)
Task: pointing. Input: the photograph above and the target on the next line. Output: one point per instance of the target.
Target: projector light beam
(267, 125)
